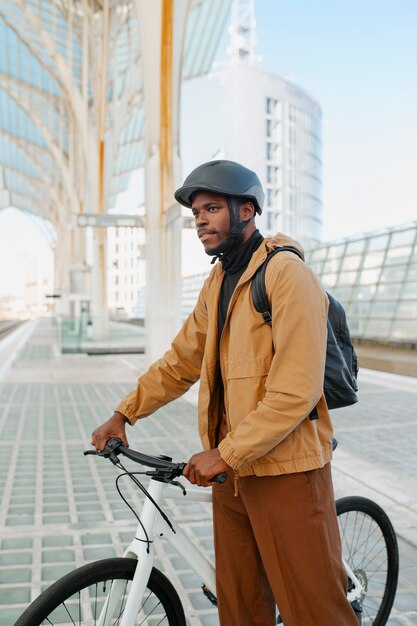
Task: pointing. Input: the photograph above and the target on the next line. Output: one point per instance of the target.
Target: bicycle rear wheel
(78, 598)
(369, 546)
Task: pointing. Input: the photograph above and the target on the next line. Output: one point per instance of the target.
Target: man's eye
(212, 208)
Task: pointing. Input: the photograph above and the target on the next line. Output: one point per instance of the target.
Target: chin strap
(237, 227)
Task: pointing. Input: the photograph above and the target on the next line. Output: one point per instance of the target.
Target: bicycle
(116, 592)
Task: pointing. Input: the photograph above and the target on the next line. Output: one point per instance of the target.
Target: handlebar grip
(219, 478)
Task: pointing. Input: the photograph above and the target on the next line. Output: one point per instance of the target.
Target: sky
(358, 59)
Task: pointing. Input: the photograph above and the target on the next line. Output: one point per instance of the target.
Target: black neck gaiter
(240, 259)
(234, 268)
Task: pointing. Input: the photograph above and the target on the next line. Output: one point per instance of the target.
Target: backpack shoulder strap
(259, 295)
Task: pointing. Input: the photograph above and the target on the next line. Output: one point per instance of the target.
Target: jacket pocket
(245, 387)
(248, 369)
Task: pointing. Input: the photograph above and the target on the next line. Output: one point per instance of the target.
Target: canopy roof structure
(71, 76)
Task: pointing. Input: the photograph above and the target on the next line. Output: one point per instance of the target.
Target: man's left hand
(202, 466)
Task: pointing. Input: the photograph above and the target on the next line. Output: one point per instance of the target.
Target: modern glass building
(277, 133)
(374, 276)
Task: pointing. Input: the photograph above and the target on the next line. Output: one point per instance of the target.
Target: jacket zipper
(229, 425)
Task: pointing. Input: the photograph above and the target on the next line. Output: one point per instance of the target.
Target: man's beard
(234, 239)
(234, 236)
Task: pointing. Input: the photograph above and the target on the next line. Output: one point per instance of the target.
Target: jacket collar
(268, 245)
(259, 256)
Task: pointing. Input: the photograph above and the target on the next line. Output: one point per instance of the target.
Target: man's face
(212, 220)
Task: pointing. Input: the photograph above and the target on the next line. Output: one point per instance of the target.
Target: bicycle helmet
(226, 178)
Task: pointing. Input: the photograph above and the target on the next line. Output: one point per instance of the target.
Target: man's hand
(203, 466)
(114, 427)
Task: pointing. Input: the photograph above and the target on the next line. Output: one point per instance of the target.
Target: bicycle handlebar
(115, 446)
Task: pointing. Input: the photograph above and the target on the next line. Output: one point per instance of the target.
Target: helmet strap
(237, 226)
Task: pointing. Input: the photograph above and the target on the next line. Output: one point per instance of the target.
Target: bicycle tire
(61, 597)
(369, 546)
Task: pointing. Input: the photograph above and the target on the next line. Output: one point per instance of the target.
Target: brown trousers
(278, 542)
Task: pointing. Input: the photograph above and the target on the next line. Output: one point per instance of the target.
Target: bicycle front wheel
(78, 598)
(369, 547)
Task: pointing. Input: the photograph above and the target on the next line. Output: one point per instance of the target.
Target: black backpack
(341, 371)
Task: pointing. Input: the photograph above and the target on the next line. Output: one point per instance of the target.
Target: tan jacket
(273, 378)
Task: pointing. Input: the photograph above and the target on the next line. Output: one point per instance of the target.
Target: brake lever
(109, 451)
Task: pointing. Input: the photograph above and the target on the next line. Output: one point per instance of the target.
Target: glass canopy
(51, 80)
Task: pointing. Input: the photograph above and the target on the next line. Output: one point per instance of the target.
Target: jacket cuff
(227, 454)
(123, 408)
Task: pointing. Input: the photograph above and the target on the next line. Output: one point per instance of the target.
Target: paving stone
(410, 575)
(95, 554)
(15, 575)
(199, 600)
(406, 601)
(56, 519)
(210, 619)
(190, 580)
(18, 543)
(15, 558)
(9, 615)
(14, 595)
(54, 541)
(91, 518)
(55, 508)
(19, 520)
(53, 572)
(96, 539)
(57, 556)
(15, 510)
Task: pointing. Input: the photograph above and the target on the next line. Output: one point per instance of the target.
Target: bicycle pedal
(357, 607)
(209, 594)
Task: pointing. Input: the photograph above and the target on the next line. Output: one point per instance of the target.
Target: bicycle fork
(142, 549)
(356, 594)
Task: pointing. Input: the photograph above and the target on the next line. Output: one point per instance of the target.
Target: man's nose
(201, 219)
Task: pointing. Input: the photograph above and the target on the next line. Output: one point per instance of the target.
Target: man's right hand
(114, 427)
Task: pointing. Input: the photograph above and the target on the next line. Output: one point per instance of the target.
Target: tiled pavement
(60, 509)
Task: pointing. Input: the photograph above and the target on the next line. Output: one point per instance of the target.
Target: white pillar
(100, 310)
(162, 25)
(99, 285)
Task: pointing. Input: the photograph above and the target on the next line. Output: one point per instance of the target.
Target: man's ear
(247, 211)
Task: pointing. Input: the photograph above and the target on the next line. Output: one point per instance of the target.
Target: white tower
(242, 32)
(273, 127)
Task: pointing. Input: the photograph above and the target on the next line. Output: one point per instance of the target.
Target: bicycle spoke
(95, 605)
(146, 616)
(361, 548)
(122, 607)
(144, 603)
(69, 614)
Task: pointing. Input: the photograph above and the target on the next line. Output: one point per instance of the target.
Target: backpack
(341, 370)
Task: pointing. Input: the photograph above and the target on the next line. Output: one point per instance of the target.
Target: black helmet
(226, 178)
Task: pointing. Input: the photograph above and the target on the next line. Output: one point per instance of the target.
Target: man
(275, 527)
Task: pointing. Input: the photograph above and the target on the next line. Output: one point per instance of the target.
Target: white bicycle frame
(142, 548)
